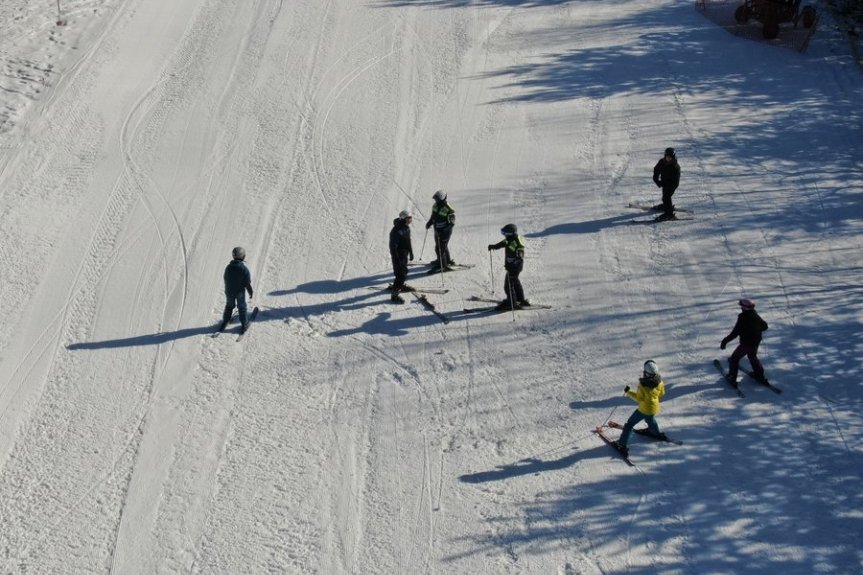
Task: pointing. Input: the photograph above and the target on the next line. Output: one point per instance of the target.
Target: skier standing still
(238, 281)
(749, 327)
(650, 390)
(401, 250)
(443, 220)
(666, 175)
(513, 263)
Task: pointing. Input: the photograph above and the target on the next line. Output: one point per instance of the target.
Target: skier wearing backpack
(650, 390)
(749, 327)
(238, 281)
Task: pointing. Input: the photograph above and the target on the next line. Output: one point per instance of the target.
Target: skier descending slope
(238, 281)
(666, 175)
(748, 327)
(650, 390)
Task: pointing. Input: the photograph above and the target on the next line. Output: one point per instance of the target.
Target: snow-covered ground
(142, 140)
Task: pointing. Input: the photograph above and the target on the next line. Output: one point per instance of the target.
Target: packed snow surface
(141, 140)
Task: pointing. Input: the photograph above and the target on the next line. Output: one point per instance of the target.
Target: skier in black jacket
(401, 250)
(238, 281)
(666, 175)
(749, 327)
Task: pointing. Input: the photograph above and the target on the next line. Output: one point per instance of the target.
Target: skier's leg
(652, 424)
(229, 309)
(629, 426)
(517, 289)
(667, 206)
(445, 260)
(508, 287)
(242, 309)
(399, 273)
(757, 368)
(734, 362)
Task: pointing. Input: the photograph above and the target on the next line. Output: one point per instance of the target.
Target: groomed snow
(142, 140)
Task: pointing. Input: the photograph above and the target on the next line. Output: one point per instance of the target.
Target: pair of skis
(736, 386)
(221, 328)
(659, 218)
(643, 431)
(496, 308)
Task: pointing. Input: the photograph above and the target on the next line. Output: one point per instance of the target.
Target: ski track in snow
(141, 141)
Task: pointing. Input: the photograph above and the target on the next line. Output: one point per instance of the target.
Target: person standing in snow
(650, 390)
(401, 250)
(666, 175)
(443, 220)
(748, 328)
(513, 263)
(238, 281)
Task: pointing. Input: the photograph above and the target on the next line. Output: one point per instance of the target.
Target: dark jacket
(667, 174)
(514, 256)
(748, 327)
(442, 216)
(237, 278)
(400, 239)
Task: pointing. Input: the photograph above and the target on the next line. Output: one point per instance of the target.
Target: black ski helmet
(239, 253)
(670, 152)
(509, 230)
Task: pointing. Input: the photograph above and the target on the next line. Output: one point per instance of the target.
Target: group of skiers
(442, 221)
(651, 388)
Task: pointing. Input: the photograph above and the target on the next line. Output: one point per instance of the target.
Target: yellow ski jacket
(648, 397)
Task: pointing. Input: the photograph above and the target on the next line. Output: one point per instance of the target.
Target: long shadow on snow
(268, 313)
(718, 504)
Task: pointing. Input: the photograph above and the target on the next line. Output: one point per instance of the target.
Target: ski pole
(423, 249)
(491, 267)
(439, 252)
(609, 415)
(510, 295)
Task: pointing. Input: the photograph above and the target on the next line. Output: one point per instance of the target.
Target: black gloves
(428, 225)
(626, 389)
(490, 247)
(723, 344)
(411, 256)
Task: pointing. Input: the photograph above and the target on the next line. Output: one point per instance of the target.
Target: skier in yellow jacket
(650, 390)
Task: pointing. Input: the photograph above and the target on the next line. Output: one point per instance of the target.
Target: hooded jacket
(647, 395)
(667, 174)
(400, 239)
(749, 327)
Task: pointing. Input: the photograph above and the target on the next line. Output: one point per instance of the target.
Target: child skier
(443, 220)
(238, 281)
(650, 390)
(513, 264)
(748, 327)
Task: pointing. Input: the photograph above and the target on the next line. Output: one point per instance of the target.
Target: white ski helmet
(650, 369)
(439, 196)
(405, 214)
(239, 253)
